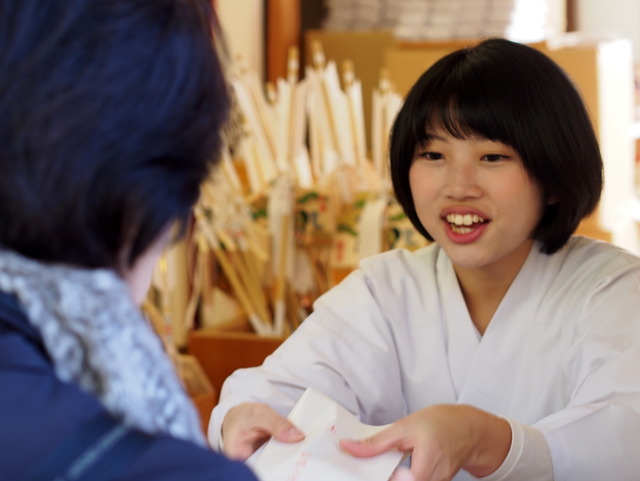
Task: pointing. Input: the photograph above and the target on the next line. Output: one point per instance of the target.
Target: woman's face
(476, 199)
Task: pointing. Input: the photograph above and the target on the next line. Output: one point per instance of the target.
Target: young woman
(110, 118)
(508, 348)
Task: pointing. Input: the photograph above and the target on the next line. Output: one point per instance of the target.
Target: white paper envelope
(319, 456)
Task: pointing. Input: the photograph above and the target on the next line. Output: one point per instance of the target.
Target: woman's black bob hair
(511, 93)
(110, 119)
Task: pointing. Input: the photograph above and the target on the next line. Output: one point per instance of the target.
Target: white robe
(561, 354)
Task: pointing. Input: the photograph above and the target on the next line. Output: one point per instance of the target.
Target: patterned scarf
(99, 340)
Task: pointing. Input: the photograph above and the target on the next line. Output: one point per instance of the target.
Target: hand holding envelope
(319, 457)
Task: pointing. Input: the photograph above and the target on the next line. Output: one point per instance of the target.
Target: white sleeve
(596, 436)
(528, 458)
(344, 350)
(602, 444)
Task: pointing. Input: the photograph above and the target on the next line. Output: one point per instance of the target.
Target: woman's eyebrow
(432, 136)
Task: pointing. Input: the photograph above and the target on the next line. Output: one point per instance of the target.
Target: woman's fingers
(372, 446)
(247, 426)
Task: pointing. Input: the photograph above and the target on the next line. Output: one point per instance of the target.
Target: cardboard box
(219, 353)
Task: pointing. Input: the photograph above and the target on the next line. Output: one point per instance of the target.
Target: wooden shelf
(283, 32)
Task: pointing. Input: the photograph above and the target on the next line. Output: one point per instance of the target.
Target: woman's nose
(462, 181)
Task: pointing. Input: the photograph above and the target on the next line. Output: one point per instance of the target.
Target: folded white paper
(319, 457)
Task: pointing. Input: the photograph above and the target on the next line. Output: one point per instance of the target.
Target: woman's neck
(483, 289)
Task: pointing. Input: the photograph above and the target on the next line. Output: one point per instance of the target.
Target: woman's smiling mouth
(464, 223)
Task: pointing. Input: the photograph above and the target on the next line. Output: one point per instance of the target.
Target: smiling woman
(492, 156)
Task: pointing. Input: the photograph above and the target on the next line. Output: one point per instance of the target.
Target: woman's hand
(247, 426)
(442, 439)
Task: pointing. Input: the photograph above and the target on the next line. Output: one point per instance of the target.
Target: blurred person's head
(110, 119)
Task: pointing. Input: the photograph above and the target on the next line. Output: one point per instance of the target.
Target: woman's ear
(138, 277)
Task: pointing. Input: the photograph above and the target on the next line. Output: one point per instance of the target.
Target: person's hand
(247, 426)
(442, 439)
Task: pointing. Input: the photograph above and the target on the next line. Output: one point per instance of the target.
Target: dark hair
(514, 94)
(110, 119)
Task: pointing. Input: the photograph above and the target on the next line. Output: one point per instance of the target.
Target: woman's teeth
(466, 219)
(459, 222)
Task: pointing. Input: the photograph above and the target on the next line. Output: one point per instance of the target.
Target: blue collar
(13, 318)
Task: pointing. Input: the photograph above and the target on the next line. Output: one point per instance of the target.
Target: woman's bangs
(447, 116)
(463, 111)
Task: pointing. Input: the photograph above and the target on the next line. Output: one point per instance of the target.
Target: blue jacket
(38, 412)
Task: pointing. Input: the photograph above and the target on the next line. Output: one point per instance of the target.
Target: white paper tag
(370, 227)
(319, 457)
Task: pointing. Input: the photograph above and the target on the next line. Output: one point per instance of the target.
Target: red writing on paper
(301, 463)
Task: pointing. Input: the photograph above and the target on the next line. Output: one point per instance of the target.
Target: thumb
(287, 432)
(372, 446)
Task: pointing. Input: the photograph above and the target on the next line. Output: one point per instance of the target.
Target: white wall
(242, 22)
(618, 19)
(611, 17)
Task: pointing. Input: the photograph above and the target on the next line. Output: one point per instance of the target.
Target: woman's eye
(494, 157)
(430, 155)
